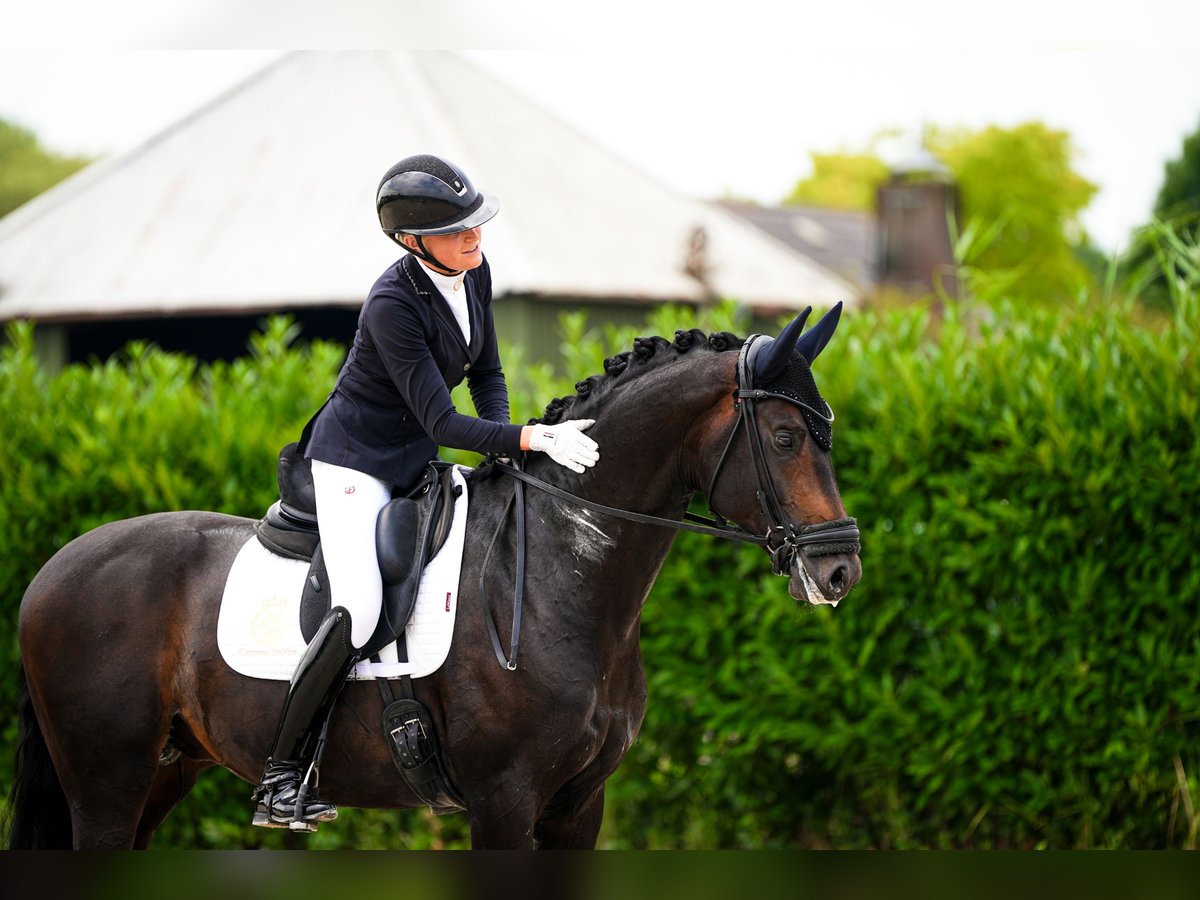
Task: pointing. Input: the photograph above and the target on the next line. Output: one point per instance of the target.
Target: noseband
(783, 540)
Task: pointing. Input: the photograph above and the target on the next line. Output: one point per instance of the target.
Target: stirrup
(283, 800)
(265, 819)
(272, 815)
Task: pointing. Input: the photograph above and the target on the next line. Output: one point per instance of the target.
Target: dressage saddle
(410, 530)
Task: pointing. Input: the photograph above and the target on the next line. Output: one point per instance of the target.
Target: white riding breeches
(348, 505)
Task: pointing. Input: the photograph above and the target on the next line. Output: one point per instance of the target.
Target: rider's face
(461, 250)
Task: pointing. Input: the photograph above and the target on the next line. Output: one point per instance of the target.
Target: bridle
(783, 539)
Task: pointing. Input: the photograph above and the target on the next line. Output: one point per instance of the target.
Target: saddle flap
(414, 527)
(402, 534)
(397, 532)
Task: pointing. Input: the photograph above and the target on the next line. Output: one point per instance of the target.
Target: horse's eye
(784, 440)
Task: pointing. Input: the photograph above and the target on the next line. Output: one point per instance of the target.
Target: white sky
(713, 99)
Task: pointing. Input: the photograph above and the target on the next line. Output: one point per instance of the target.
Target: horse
(126, 700)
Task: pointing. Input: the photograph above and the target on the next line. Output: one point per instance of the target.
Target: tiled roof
(842, 242)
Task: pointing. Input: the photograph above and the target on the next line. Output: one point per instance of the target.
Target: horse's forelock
(648, 354)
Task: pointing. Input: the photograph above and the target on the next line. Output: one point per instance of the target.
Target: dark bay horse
(126, 699)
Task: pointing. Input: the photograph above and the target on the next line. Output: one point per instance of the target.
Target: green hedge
(1019, 667)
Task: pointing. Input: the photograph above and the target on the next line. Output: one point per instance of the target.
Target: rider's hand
(566, 443)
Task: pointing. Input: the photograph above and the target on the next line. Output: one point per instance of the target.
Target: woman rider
(426, 324)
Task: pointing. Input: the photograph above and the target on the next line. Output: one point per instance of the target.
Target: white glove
(566, 443)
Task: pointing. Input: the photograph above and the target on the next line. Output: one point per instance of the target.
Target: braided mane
(648, 354)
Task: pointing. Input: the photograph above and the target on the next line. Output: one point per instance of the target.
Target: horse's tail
(38, 817)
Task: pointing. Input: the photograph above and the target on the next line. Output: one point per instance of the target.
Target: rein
(783, 540)
(839, 530)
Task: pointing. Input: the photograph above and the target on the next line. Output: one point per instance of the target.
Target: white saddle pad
(258, 628)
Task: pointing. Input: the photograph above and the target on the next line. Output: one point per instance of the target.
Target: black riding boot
(282, 801)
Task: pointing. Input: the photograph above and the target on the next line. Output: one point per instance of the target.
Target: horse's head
(776, 477)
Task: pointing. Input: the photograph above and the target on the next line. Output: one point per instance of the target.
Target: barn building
(261, 202)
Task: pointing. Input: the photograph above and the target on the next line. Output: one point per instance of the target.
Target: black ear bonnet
(796, 383)
(782, 367)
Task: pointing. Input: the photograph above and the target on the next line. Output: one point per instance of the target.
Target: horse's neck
(645, 433)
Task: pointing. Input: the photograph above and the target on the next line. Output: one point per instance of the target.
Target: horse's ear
(773, 354)
(814, 341)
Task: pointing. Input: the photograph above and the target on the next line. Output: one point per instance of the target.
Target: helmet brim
(482, 213)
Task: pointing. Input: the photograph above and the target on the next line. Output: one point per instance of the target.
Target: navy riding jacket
(390, 409)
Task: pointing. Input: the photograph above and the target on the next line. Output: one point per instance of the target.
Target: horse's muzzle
(823, 580)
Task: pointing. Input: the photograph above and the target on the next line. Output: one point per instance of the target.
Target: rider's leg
(348, 504)
(315, 685)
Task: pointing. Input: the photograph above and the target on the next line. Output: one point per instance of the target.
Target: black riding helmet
(424, 194)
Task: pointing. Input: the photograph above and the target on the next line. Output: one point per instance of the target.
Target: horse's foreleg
(574, 830)
(504, 821)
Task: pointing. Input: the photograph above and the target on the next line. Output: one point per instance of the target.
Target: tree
(1021, 179)
(1179, 196)
(1150, 268)
(1016, 186)
(27, 168)
(840, 181)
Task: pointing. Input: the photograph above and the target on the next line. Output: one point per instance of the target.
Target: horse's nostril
(839, 579)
